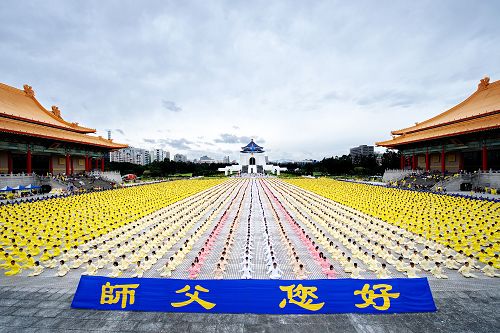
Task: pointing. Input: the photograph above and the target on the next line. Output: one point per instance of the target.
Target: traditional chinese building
(34, 139)
(465, 137)
(252, 161)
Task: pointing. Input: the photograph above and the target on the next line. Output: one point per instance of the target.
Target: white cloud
(313, 79)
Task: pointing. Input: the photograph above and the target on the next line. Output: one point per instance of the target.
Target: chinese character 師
(193, 297)
(301, 296)
(369, 296)
(112, 294)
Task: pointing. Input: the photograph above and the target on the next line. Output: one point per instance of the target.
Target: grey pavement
(34, 309)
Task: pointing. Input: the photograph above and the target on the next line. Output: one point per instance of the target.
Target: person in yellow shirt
(14, 268)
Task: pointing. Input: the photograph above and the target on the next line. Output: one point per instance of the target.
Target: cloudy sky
(306, 79)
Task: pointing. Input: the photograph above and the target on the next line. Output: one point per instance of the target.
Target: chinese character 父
(112, 294)
(193, 297)
(301, 296)
(369, 296)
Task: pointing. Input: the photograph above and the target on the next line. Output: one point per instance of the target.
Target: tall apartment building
(131, 155)
(362, 150)
(159, 155)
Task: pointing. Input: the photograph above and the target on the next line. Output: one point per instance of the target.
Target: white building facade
(130, 155)
(159, 155)
(252, 161)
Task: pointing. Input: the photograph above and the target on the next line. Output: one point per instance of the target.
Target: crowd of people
(43, 231)
(465, 229)
(205, 227)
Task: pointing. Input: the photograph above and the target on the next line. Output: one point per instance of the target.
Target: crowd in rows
(139, 229)
(34, 234)
(375, 243)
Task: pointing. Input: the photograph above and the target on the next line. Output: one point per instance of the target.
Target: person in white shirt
(355, 272)
(437, 271)
(247, 272)
(348, 266)
(37, 269)
(401, 266)
(383, 272)
(139, 270)
(218, 272)
(302, 273)
(91, 268)
(465, 270)
(411, 271)
(166, 271)
(274, 272)
(426, 264)
(450, 263)
(76, 263)
(115, 271)
(63, 269)
(489, 270)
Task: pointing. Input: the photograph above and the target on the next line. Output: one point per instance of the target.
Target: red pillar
(51, 164)
(460, 161)
(71, 164)
(67, 165)
(10, 168)
(443, 163)
(485, 159)
(414, 162)
(102, 164)
(28, 161)
(427, 162)
(402, 162)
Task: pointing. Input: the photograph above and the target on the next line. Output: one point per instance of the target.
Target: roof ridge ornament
(28, 90)
(56, 111)
(483, 83)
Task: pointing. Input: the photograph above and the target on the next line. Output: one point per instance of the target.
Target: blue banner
(255, 296)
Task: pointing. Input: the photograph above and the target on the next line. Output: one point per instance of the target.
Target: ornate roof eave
(484, 84)
(253, 152)
(405, 139)
(81, 138)
(54, 114)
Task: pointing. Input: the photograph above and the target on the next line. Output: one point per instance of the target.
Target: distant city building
(206, 159)
(180, 158)
(131, 155)
(362, 150)
(306, 161)
(226, 160)
(159, 155)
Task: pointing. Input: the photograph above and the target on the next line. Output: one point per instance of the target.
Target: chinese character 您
(112, 294)
(193, 297)
(369, 296)
(301, 296)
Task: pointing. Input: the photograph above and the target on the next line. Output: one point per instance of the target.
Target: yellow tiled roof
(481, 111)
(21, 113)
(25, 128)
(22, 104)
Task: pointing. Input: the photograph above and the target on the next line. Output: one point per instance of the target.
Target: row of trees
(345, 165)
(166, 168)
(338, 165)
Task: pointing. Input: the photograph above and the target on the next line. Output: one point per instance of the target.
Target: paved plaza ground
(43, 303)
